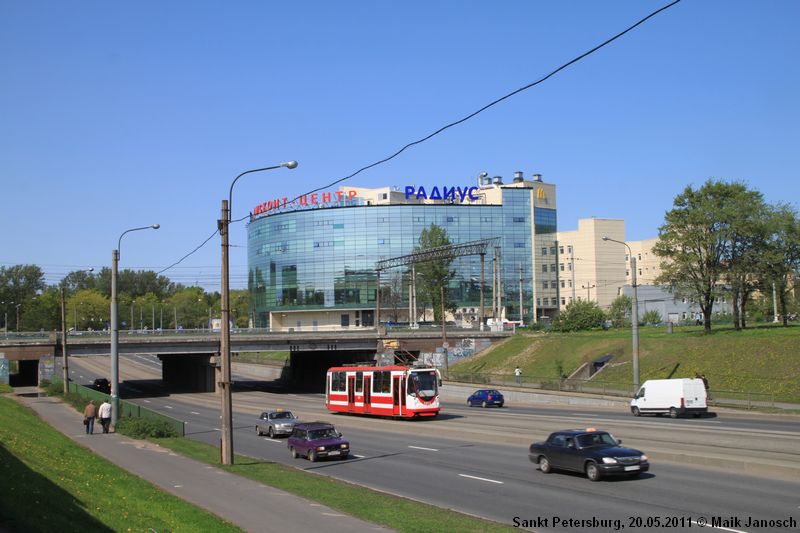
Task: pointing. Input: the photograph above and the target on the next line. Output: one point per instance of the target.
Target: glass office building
(312, 262)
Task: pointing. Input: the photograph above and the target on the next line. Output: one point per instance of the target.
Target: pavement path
(248, 504)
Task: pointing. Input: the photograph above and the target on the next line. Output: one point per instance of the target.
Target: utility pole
(588, 287)
(774, 304)
(483, 284)
(444, 332)
(64, 360)
(226, 437)
(521, 316)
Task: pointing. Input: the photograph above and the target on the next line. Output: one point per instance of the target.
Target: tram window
(381, 381)
(338, 381)
(359, 381)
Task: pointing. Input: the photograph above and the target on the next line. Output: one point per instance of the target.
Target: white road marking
(217, 429)
(272, 440)
(80, 376)
(177, 486)
(168, 406)
(582, 414)
(482, 479)
(147, 401)
(421, 448)
(720, 527)
(359, 456)
(194, 412)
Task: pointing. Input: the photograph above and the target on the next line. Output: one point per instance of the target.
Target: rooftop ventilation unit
(537, 177)
(498, 180)
(518, 177)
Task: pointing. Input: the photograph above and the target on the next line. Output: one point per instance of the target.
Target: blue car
(485, 398)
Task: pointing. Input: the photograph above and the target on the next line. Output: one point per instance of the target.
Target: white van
(673, 396)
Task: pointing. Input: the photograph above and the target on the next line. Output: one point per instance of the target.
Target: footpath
(248, 504)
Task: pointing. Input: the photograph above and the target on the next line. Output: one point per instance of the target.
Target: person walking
(105, 415)
(518, 375)
(89, 414)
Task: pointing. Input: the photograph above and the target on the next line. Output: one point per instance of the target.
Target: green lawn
(5, 388)
(764, 359)
(49, 483)
(393, 512)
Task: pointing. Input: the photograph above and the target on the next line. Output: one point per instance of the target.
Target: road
(475, 460)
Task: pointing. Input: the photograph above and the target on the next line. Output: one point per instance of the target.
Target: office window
(561, 267)
(561, 250)
(544, 284)
(544, 268)
(553, 250)
(519, 219)
(544, 250)
(538, 302)
(553, 301)
(519, 245)
(554, 284)
(553, 267)
(569, 249)
(563, 301)
(562, 284)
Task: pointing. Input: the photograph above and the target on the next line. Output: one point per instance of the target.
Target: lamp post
(226, 438)
(634, 314)
(115, 325)
(64, 360)
(18, 306)
(5, 315)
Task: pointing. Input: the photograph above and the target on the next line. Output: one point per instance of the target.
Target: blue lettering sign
(445, 193)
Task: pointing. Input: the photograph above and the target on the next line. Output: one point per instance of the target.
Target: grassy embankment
(393, 512)
(764, 359)
(261, 358)
(50, 483)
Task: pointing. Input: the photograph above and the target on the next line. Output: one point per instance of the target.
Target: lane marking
(194, 412)
(482, 479)
(168, 406)
(147, 401)
(177, 486)
(359, 456)
(582, 414)
(217, 429)
(720, 527)
(272, 440)
(422, 448)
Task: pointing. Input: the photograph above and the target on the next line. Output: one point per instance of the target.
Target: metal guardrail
(744, 399)
(128, 408)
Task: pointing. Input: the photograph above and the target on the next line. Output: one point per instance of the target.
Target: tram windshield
(422, 383)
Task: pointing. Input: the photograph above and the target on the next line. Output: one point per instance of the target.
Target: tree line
(145, 299)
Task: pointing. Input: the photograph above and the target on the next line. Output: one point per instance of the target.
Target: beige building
(589, 267)
(648, 264)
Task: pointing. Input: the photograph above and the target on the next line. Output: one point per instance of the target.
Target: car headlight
(609, 460)
(643, 457)
(320, 448)
(345, 446)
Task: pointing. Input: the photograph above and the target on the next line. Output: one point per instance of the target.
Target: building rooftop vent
(498, 180)
(537, 177)
(518, 177)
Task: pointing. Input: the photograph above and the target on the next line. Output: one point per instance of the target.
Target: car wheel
(258, 431)
(270, 432)
(469, 403)
(673, 413)
(592, 472)
(635, 411)
(312, 456)
(501, 405)
(294, 453)
(483, 404)
(544, 465)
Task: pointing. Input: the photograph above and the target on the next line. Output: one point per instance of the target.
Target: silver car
(277, 422)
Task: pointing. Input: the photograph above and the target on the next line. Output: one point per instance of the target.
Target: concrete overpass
(191, 358)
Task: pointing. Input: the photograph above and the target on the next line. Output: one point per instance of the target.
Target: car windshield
(596, 439)
(423, 383)
(281, 416)
(326, 433)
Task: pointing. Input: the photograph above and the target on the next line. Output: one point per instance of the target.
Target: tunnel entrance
(308, 369)
(188, 372)
(27, 374)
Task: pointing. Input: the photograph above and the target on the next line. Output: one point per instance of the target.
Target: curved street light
(634, 314)
(226, 437)
(115, 324)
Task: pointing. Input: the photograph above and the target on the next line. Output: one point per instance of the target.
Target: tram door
(351, 392)
(367, 393)
(398, 396)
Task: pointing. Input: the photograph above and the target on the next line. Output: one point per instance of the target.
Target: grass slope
(762, 360)
(49, 483)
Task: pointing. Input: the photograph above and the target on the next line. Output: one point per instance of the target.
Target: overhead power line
(461, 120)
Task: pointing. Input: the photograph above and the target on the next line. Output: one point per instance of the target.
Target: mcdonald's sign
(540, 194)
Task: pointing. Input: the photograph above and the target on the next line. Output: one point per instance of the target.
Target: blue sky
(117, 115)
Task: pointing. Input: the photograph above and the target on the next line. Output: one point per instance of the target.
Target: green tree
(190, 307)
(240, 307)
(20, 283)
(88, 309)
(579, 315)
(699, 241)
(620, 310)
(781, 260)
(434, 275)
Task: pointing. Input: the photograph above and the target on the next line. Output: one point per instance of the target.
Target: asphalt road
(475, 460)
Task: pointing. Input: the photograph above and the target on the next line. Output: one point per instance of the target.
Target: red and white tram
(396, 391)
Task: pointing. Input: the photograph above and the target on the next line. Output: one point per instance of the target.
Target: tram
(397, 391)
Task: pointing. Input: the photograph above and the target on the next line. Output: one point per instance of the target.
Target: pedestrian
(518, 375)
(89, 414)
(105, 415)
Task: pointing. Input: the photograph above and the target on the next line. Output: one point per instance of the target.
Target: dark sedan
(596, 453)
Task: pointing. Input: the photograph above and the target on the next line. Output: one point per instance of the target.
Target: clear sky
(115, 115)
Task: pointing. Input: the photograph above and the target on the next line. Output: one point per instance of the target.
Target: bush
(652, 317)
(579, 315)
(143, 428)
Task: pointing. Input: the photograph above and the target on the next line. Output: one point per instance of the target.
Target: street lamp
(634, 314)
(226, 439)
(115, 325)
(64, 360)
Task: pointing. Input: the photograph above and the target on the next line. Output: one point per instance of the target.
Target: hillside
(763, 359)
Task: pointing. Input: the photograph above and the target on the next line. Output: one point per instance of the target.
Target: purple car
(316, 440)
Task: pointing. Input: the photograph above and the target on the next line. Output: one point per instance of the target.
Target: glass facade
(324, 259)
